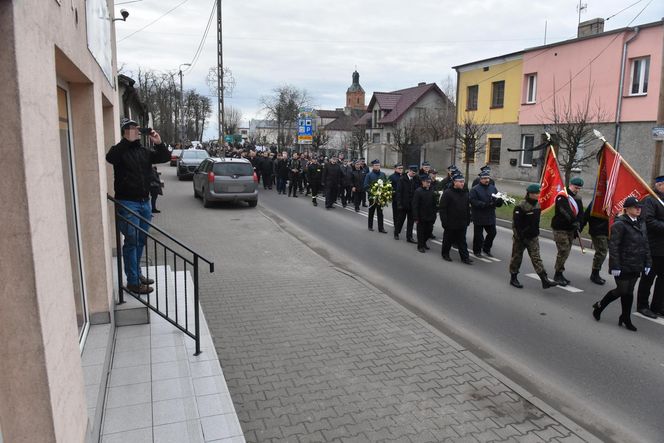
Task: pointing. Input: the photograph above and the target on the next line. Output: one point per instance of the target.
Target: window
(243, 169)
(527, 143)
(471, 103)
(498, 94)
(531, 88)
(640, 70)
(494, 150)
(389, 135)
(376, 137)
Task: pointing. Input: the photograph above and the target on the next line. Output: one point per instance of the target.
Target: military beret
(458, 177)
(576, 181)
(375, 162)
(659, 179)
(631, 202)
(533, 188)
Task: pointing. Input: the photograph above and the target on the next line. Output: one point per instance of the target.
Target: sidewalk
(312, 353)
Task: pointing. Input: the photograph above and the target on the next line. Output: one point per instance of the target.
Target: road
(606, 378)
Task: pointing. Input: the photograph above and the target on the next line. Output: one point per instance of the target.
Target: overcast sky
(316, 45)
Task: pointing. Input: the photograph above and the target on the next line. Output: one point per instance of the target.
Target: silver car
(226, 179)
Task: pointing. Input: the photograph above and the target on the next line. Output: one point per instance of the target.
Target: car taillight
(210, 177)
(255, 178)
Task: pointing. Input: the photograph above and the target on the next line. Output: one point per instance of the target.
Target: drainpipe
(616, 142)
(456, 120)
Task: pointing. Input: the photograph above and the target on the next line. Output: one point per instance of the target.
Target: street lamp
(182, 105)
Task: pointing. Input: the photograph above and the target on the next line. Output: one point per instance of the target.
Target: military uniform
(331, 180)
(566, 224)
(598, 228)
(404, 199)
(314, 175)
(455, 218)
(374, 207)
(424, 211)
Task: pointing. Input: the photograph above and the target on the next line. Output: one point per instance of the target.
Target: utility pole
(657, 161)
(220, 76)
(181, 116)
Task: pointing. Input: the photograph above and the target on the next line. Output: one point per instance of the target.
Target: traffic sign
(305, 128)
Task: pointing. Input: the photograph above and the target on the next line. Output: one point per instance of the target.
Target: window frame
(476, 89)
(494, 103)
(523, 153)
(531, 92)
(643, 76)
(489, 150)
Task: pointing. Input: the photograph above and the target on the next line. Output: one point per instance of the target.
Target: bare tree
(358, 139)
(571, 128)
(470, 134)
(283, 106)
(319, 139)
(232, 119)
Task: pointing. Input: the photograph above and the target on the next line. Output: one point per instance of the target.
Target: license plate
(235, 188)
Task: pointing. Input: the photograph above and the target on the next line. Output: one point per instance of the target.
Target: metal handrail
(166, 250)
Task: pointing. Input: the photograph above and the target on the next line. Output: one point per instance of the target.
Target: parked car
(175, 154)
(188, 162)
(226, 179)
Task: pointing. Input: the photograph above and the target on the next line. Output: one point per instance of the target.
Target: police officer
(485, 168)
(358, 185)
(424, 211)
(404, 200)
(525, 230)
(394, 179)
(314, 176)
(484, 214)
(653, 213)
(346, 183)
(455, 218)
(374, 206)
(598, 228)
(294, 170)
(281, 169)
(452, 170)
(331, 179)
(566, 224)
(629, 255)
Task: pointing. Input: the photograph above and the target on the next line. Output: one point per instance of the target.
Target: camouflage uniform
(566, 225)
(525, 227)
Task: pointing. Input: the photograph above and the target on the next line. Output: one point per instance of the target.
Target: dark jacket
(331, 175)
(294, 168)
(653, 214)
(357, 180)
(267, 166)
(132, 168)
(155, 180)
(596, 225)
(394, 178)
(628, 245)
(483, 205)
(455, 209)
(405, 192)
(282, 168)
(424, 207)
(526, 219)
(314, 174)
(564, 218)
(373, 177)
(346, 176)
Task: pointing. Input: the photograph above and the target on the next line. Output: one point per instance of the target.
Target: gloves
(615, 272)
(646, 271)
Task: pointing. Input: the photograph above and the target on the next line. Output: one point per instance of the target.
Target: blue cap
(375, 162)
(413, 168)
(484, 174)
(458, 177)
(397, 165)
(659, 179)
(426, 164)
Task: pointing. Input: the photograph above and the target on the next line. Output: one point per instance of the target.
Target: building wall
(42, 387)
(594, 65)
(509, 71)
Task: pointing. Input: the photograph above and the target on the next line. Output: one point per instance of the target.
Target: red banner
(616, 181)
(552, 182)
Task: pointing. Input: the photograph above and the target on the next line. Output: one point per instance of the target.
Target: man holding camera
(132, 170)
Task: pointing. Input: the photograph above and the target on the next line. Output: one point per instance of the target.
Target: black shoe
(145, 280)
(382, 231)
(447, 258)
(426, 247)
(363, 205)
(294, 195)
(370, 228)
(410, 240)
(488, 254)
(156, 211)
(344, 205)
(597, 311)
(432, 236)
(646, 313)
(627, 322)
(422, 250)
(515, 281)
(357, 209)
(560, 279)
(659, 312)
(315, 202)
(595, 278)
(546, 283)
(396, 236)
(466, 261)
(477, 254)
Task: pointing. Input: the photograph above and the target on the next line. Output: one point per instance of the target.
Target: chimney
(421, 83)
(591, 27)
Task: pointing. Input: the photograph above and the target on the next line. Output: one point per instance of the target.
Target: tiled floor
(158, 391)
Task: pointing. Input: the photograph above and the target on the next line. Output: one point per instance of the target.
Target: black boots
(627, 321)
(595, 278)
(546, 283)
(597, 310)
(560, 279)
(514, 281)
(314, 201)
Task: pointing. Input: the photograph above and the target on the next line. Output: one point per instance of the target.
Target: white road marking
(567, 288)
(658, 320)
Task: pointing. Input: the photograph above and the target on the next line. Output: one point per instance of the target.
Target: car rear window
(176, 152)
(190, 155)
(233, 169)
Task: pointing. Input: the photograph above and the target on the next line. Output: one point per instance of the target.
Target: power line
(154, 21)
(199, 50)
(622, 10)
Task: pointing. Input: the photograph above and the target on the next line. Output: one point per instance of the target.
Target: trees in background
(283, 106)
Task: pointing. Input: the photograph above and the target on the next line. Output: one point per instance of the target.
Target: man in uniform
(452, 170)
(331, 179)
(653, 211)
(294, 169)
(485, 168)
(314, 176)
(281, 169)
(566, 224)
(424, 211)
(598, 228)
(346, 183)
(484, 214)
(404, 199)
(455, 218)
(358, 185)
(394, 179)
(374, 207)
(525, 229)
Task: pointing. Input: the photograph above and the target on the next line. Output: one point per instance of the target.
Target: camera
(145, 131)
(124, 14)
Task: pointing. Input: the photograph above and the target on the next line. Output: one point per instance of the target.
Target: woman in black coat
(629, 254)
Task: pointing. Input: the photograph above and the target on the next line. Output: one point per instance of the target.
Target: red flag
(552, 182)
(616, 181)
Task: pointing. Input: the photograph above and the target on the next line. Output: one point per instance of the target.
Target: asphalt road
(608, 379)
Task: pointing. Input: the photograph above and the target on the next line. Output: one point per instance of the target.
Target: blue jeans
(134, 239)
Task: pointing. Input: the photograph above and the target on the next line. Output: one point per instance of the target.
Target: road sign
(658, 133)
(305, 130)
(229, 138)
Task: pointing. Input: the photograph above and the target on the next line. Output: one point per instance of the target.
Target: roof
(325, 113)
(400, 101)
(364, 120)
(355, 88)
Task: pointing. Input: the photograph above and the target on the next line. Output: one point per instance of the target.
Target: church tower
(355, 94)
